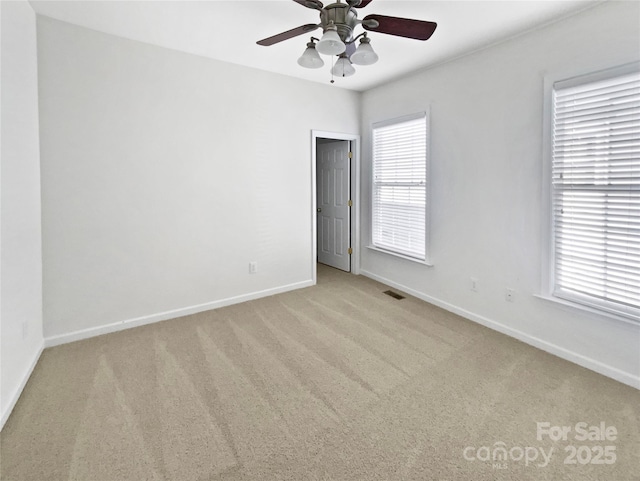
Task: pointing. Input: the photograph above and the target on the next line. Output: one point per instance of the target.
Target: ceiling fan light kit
(364, 54)
(338, 21)
(331, 43)
(310, 58)
(343, 67)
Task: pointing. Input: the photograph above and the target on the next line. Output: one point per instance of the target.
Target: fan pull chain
(333, 62)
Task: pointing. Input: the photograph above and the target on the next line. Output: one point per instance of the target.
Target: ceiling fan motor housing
(342, 16)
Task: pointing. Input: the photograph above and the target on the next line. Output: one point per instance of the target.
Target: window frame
(427, 204)
(548, 282)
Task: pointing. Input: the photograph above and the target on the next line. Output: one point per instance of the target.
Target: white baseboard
(163, 316)
(584, 361)
(16, 394)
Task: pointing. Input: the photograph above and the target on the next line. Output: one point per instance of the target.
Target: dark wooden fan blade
(315, 4)
(400, 27)
(294, 32)
(363, 3)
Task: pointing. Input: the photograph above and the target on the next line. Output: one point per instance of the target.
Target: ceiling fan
(338, 21)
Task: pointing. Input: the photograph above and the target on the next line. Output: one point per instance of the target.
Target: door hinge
(350, 203)
(350, 251)
(351, 155)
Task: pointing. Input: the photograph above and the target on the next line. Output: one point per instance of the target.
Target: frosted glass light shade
(343, 68)
(364, 54)
(330, 43)
(310, 57)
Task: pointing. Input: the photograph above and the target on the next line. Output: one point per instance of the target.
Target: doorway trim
(355, 196)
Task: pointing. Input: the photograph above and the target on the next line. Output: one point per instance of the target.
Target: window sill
(401, 256)
(628, 319)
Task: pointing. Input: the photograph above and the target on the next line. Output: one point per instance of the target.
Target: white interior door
(334, 223)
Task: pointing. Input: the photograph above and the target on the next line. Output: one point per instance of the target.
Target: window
(400, 179)
(596, 190)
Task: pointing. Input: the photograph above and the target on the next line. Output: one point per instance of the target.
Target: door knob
(319, 209)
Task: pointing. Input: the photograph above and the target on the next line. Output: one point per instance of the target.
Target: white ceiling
(228, 30)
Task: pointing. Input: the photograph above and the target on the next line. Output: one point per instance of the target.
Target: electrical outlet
(473, 284)
(509, 294)
(253, 267)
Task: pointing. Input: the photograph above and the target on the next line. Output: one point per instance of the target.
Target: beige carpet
(333, 382)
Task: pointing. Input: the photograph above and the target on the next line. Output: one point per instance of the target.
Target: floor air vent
(395, 295)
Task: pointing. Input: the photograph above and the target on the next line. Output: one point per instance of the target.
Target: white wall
(20, 240)
(164, 174)
(487, 220)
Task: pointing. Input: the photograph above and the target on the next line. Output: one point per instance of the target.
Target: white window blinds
(400, 170)
(596, 191)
